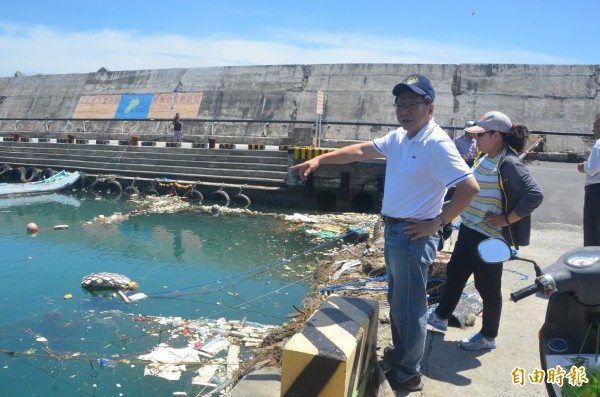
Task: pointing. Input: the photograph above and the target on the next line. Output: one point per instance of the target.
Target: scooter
(569, 339)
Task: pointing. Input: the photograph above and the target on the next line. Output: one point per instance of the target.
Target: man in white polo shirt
(591, 206)
(422, 163)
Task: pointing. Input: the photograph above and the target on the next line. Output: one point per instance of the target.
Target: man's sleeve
(381, 144)
(448, 167)
(592, 165)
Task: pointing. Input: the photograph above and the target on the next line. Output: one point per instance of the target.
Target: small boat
(56, 182)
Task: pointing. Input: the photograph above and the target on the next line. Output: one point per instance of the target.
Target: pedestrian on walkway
(502, 209)
(591, 205)
(177, 134)
(422, 163)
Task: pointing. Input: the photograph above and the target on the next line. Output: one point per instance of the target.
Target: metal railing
(20, 124)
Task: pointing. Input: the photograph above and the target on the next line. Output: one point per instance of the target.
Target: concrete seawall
(558, 98)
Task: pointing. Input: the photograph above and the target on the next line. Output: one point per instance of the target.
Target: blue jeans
(407, 262)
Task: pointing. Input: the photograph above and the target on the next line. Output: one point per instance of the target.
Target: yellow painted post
(333, 351)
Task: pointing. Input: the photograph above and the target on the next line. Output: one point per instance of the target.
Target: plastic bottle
(105, 362)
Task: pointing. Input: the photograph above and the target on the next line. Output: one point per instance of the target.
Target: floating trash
(213, 346)
(107, 281)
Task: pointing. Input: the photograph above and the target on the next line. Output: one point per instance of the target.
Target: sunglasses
(480, 134)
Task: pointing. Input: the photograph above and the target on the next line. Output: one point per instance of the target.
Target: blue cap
(417, 83)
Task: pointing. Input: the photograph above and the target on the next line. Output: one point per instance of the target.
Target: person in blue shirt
(466, 145)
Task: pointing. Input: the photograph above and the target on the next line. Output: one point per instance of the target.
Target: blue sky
(50, 37)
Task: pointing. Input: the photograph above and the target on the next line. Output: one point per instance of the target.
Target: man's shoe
(436, 322)
(413, 384)
(387, 353)
(477, 342)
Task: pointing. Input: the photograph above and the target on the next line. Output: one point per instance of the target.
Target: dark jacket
(521, 194)
(177, 123)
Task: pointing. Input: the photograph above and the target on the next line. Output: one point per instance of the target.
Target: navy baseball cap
(417, 83)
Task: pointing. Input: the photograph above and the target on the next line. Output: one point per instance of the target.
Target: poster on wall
(164, 106)
(96, 107)
(134, 106)
(142, 106)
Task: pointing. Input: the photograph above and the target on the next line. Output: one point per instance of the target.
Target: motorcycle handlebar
(525, 292)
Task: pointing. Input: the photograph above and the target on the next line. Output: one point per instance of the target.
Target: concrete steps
(230, 166)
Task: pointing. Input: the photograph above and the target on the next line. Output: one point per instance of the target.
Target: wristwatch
(439, 221)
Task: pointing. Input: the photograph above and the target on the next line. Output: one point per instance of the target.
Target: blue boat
(55, 183)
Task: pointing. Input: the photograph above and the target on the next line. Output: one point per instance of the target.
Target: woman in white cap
(508, 195)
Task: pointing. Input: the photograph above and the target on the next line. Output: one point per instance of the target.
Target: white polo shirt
(419, 171)
(592, 165)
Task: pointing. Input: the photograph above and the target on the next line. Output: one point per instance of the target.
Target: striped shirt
(489, 199)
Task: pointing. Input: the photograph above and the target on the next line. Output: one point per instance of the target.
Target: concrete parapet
(333, 354)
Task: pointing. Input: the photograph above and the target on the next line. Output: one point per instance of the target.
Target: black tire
(114, 188)
(220, 195)
(4, 169)
(241, 200)
(194, 195)
(29, 174)
(48, 173)
(131, 190)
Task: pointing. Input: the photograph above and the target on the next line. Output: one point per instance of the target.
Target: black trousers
(488, 281)
(591, 216)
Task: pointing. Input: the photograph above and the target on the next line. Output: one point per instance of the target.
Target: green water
(178, 260)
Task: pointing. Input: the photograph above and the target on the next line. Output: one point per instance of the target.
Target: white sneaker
(477, 342)
(436, 322)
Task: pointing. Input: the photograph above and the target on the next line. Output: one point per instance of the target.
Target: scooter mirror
(494, 250)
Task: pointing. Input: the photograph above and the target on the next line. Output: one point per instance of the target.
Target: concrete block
(226, 146)
(256, 146)
(102, 142)
(334, 350)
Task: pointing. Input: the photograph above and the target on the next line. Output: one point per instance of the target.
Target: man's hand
(420, 229)
(306, 168)
(580, 167)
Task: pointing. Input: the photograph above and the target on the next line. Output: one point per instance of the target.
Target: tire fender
(194, 195)
(221, 194)
(131, 190)
(242, 200)
(114, 187)
(28, 174)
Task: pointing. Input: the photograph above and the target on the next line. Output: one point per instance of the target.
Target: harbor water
(192, 265)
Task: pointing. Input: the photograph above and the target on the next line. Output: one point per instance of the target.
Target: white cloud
(39, 49)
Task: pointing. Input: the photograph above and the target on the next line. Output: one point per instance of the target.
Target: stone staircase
(256, 169)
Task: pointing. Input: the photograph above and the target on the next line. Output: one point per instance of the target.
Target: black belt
(593, 186)
(388, 220)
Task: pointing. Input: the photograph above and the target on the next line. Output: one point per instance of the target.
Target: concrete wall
(561, 98)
